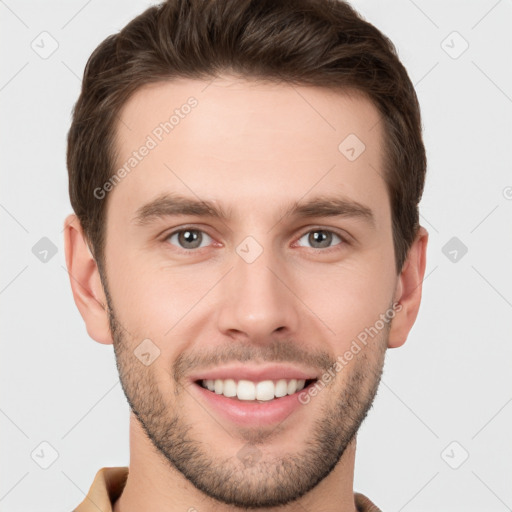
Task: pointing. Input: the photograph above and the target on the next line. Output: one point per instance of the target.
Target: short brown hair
(305, 42)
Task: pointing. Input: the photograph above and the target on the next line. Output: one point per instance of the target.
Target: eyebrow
(169, 205)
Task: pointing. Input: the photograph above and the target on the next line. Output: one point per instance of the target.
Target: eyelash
(344, 240)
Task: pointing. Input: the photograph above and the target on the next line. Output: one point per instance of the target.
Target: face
(246, 247)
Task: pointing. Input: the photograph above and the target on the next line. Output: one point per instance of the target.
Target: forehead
(236, 104)
(256, 143)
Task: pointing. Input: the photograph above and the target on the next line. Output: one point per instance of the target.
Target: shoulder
(364, 504)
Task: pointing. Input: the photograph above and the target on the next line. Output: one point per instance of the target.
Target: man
(245, 177)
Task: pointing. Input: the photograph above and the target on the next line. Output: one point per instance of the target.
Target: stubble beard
(263, 480)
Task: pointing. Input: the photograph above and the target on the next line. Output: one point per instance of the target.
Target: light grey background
(451, 381)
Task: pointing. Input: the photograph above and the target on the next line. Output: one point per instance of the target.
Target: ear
(408, 290)
(85, 282)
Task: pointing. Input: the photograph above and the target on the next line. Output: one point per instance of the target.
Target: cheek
(150, 300)
(349, 298)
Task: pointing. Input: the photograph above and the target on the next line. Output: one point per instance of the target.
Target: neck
(153, 484)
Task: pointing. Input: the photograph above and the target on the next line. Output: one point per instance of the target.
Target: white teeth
(229, 388)
(218, 386)
(265, 390)
(292, 386)
(281, 388)
(248, 390)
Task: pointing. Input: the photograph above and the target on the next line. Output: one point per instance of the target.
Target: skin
(253, 148)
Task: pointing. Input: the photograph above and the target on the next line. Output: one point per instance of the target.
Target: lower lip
(251, 412)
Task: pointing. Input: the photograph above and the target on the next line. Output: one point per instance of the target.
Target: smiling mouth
(250, 391)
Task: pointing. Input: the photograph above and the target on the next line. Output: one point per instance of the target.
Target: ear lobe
(85, 282)
(408, 290)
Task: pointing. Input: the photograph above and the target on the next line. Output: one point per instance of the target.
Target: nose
(257, 300)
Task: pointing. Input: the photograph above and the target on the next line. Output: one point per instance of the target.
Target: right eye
(189, 238)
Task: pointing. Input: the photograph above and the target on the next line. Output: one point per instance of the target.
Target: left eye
(190, 238)
(320, 238)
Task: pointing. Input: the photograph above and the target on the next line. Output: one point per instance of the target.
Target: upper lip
(254, 373)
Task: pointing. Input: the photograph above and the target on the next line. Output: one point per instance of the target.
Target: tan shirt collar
(109, 483)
